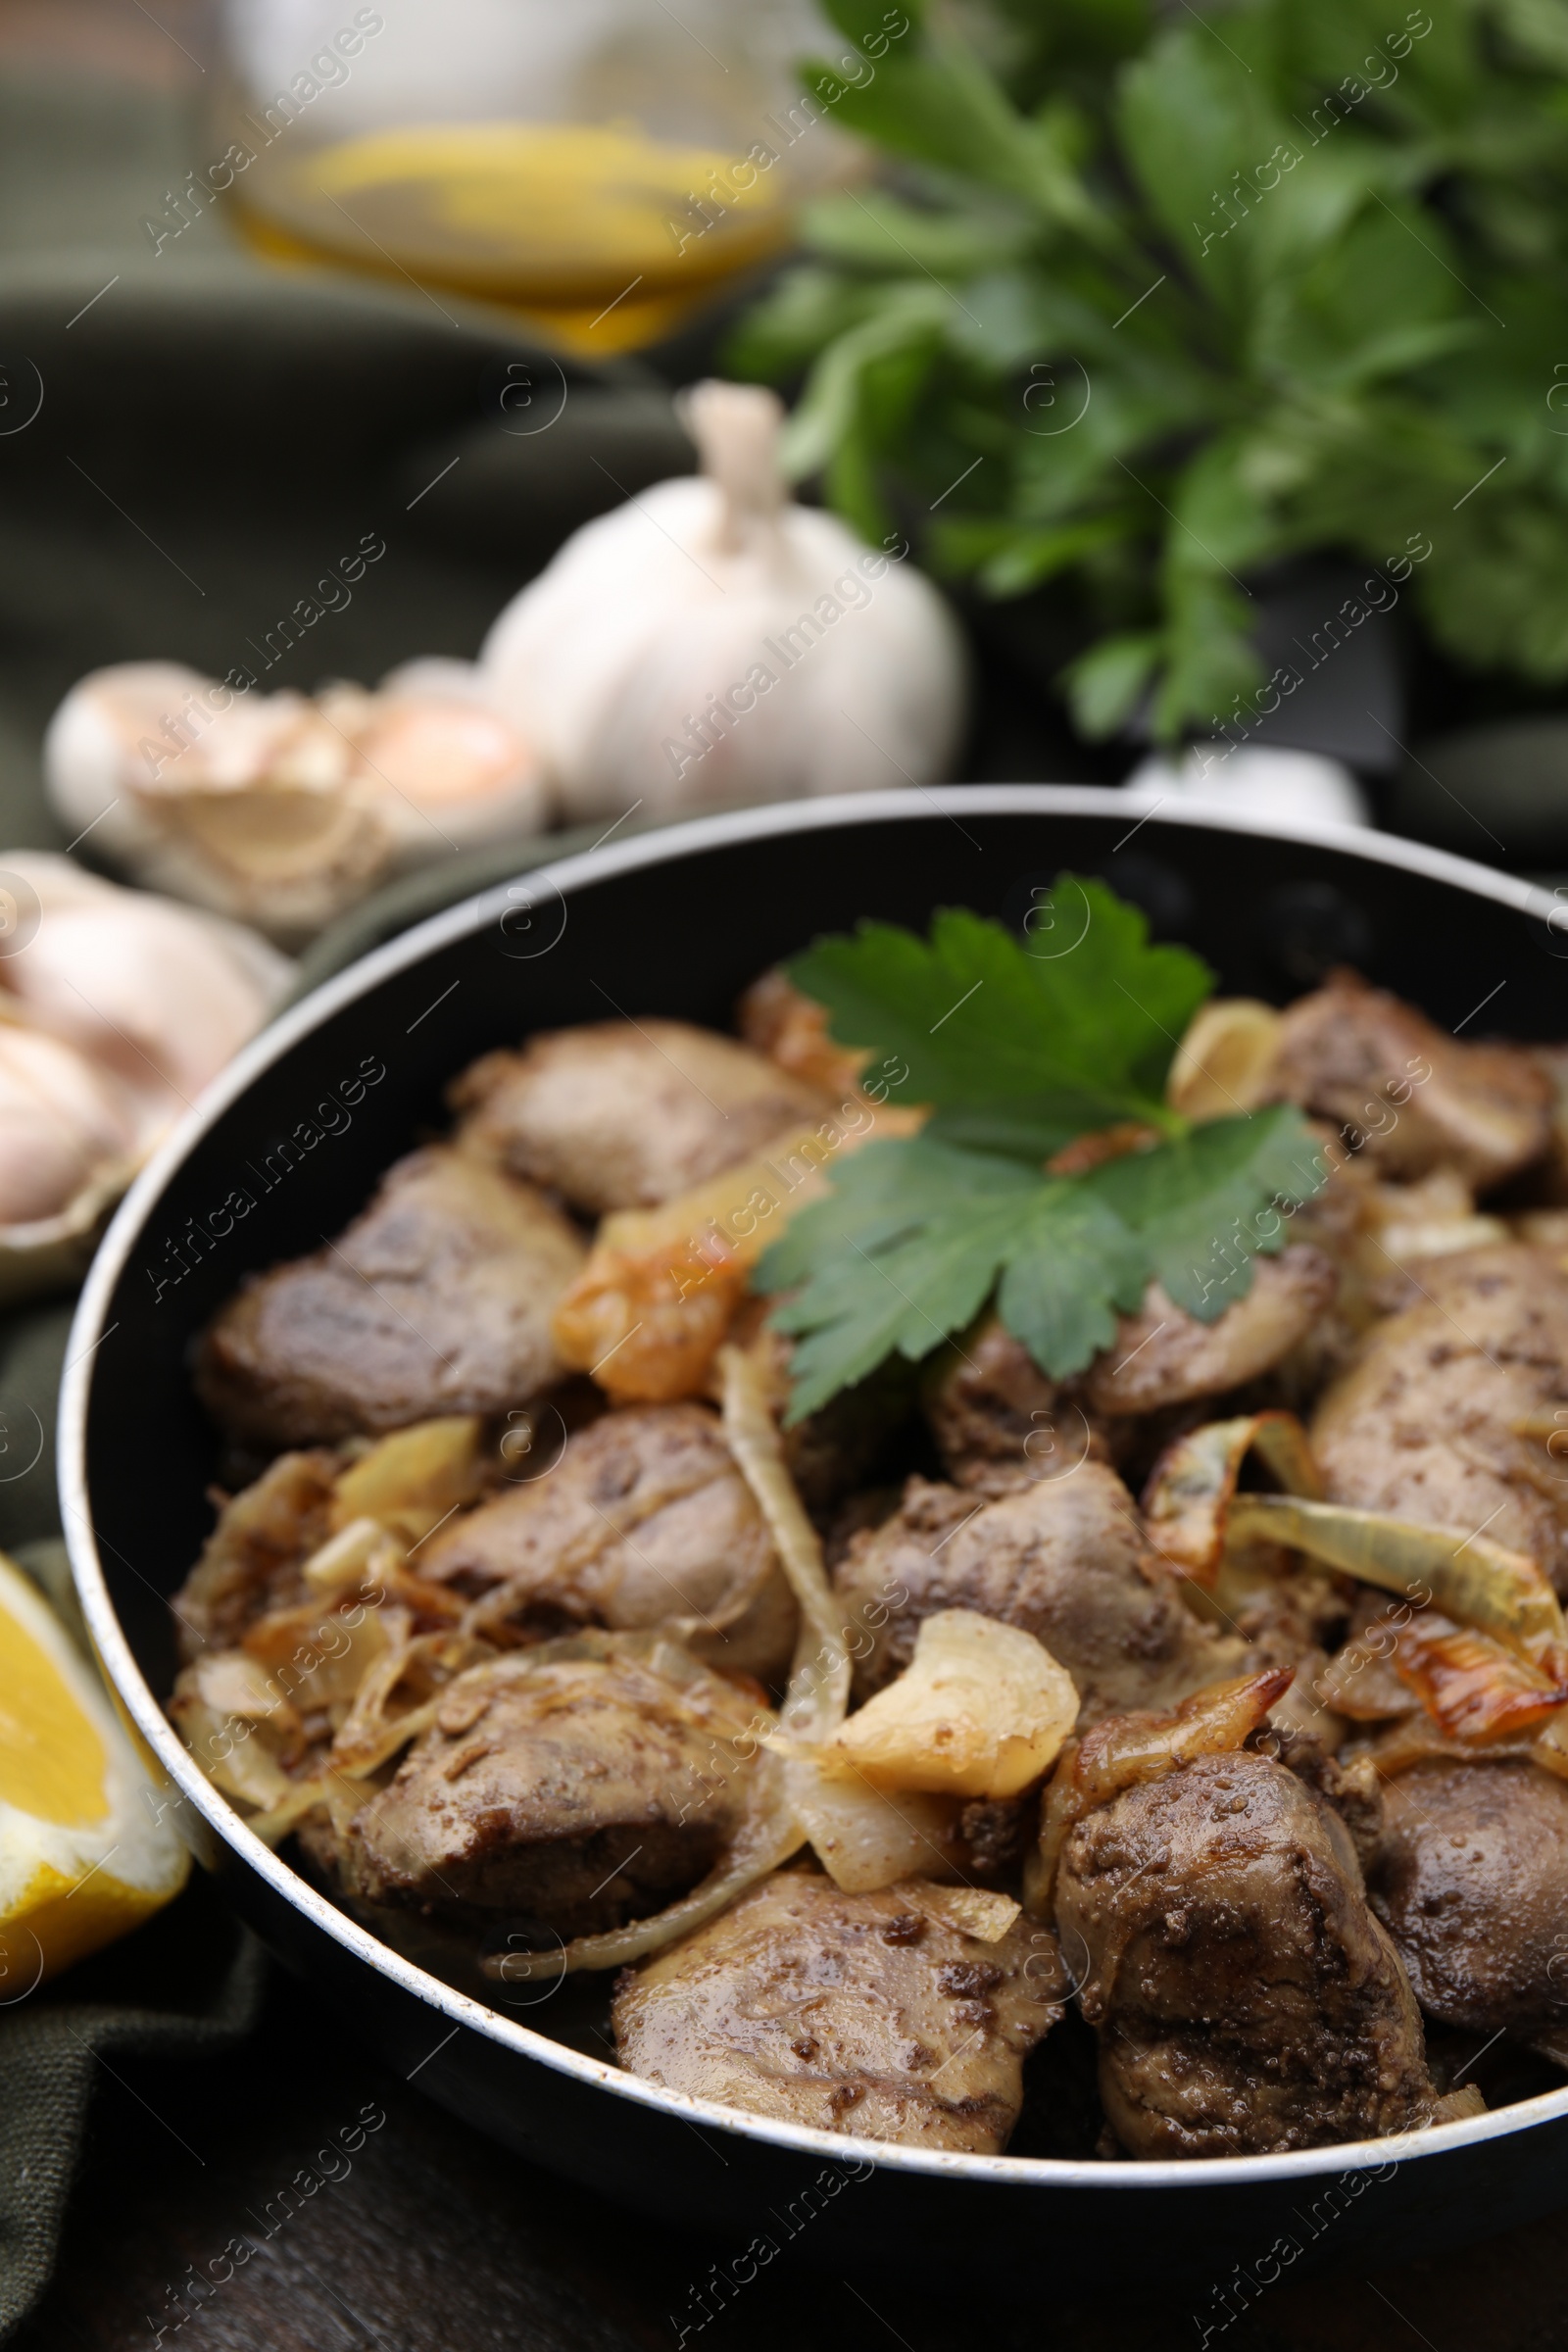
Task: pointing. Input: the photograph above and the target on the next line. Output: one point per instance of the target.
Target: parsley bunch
(1161, 296)
(1021, 1048)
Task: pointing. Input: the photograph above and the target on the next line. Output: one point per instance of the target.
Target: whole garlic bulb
(710, 642)
(282, 808)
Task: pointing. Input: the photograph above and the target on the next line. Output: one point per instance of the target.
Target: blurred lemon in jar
(87, 1848)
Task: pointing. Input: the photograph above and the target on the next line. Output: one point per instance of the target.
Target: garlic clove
(281, 809)
(107, 726)
(62, 1123)
(253, 740)
(68, 1146)
(240, 803)
(285, 835)
(154, 992)
(710, 642)
(155, 729)
(115, 1010)
(452, 766)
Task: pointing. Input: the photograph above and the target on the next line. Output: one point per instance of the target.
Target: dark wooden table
(419, 2236)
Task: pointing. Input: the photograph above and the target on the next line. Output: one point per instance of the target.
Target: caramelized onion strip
(1123, 1750)
(1471, 1686)
(273, 1826)
(1470, 1579)
(768, 1835)
(818, 1694)
(1190, 1500)
(654, 1300)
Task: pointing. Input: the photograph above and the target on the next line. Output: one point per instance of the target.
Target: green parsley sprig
(1021, 1048)
(1156, 297)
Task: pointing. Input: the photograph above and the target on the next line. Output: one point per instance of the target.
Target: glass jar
(600, 166)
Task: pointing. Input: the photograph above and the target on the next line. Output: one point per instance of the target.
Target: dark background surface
(254, 428)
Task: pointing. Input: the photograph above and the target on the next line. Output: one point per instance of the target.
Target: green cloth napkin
(188, 1985)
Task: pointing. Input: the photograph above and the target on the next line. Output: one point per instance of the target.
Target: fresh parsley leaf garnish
(914, 1237)
(1196, 1200)
(905, 1251)
(1074, 1266)
(918, 1232)
(1021, 1045)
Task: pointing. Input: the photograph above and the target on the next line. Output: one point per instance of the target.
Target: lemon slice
(87, 1845)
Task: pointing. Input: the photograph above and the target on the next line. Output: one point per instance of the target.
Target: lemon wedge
(87, 1845)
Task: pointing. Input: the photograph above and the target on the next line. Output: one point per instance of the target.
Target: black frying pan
(677, 922)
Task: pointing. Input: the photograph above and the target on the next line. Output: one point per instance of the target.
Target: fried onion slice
(651, 1308)
(1190, 1500)
(1124, 1750)
(981, 1710)
(1470, 1579)
(1225, 1059)
(819, 1678)
(1472, 1686)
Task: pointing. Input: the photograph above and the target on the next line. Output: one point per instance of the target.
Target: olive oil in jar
(599, 170)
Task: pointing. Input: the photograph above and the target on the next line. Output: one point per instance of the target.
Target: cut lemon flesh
(52, 1761)
(87, 1846)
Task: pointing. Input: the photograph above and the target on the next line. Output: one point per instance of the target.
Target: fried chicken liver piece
(563, 1790)
(1163, 1356)
(1247, 2000)
(865, 2014)
(1064, 1558)
(1422, 1423)
(1000, 1422)
(436, 1299)
(624, 1115)
(1422, 1100)
(1470, 1880)
(644, 1518)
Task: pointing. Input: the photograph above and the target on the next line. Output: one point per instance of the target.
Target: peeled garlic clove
(712, 642)
(62, 1122)
(455, 772)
